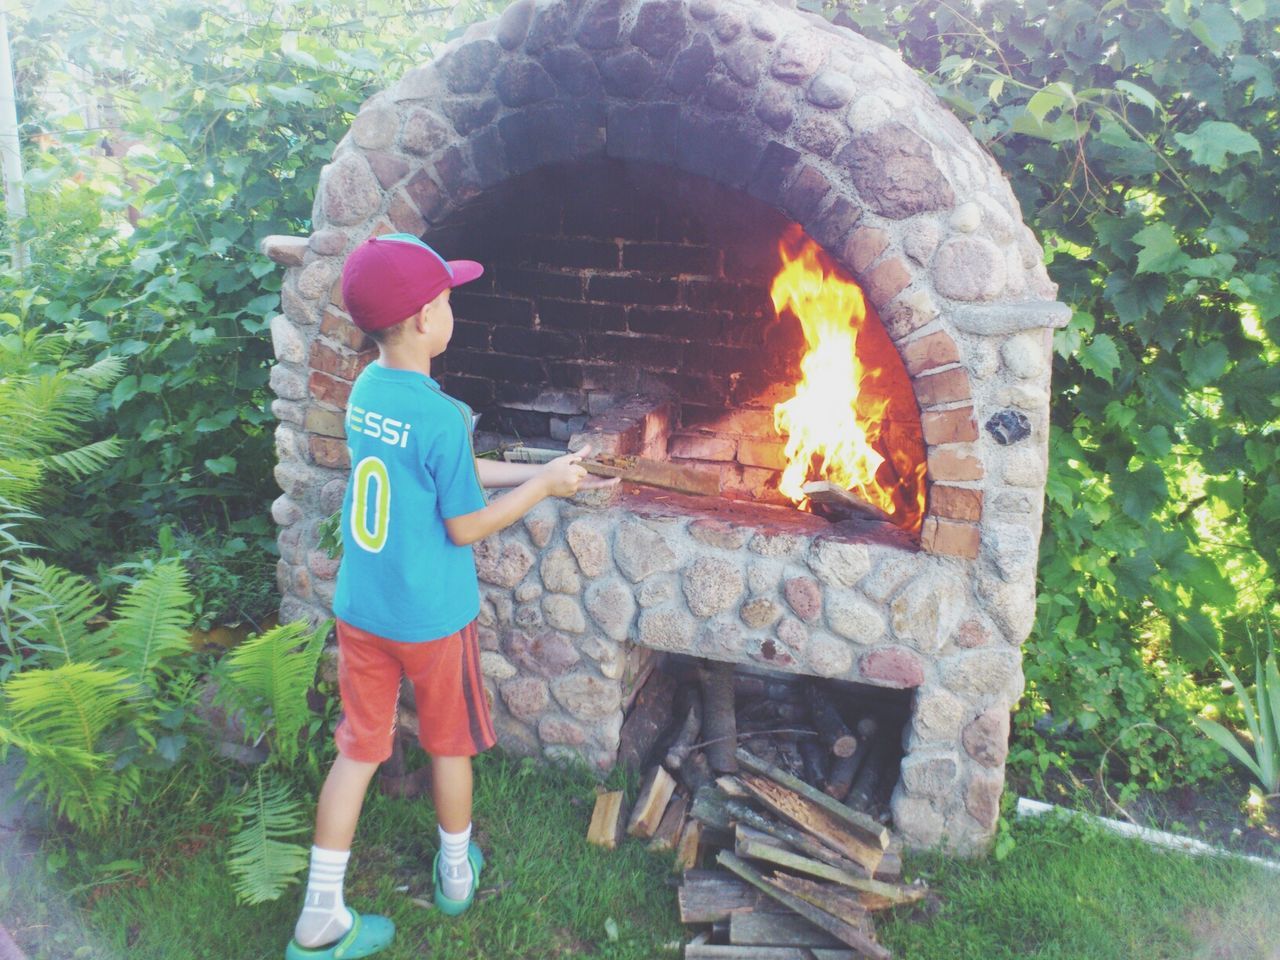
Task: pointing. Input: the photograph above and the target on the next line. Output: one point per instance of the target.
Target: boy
(407, 594)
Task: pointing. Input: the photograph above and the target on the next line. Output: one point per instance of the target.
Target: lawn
(156, 888)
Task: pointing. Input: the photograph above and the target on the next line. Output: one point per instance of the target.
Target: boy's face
(439, 317)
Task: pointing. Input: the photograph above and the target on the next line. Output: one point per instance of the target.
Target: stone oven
(629, 171)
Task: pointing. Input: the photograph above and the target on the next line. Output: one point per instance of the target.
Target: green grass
(545, 892)
(157, 888)
(1069, 891)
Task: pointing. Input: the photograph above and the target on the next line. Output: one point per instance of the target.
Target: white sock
(325, 918)
(455, 868)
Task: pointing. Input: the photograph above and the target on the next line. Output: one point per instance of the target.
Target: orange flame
(853, 420)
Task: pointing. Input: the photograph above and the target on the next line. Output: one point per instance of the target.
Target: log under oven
(635, 173)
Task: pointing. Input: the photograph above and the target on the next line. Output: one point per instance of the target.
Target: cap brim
(464, 271)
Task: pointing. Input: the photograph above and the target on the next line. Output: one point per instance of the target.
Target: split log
(688, 847)
(838, 903)
(647, 720)
(690, 479)
(841, 504)
(890, 868)
(758, 928)
(606, 820)
(847, 933)
(688, 733)
(740, 813)
(726, 951)
(651, 803)
(732, 787)
(813, 819)
(753, 688)
(706, 896)
(830, 725)
(718, 720)
(859, 823)
(871, 894)
(671, 825)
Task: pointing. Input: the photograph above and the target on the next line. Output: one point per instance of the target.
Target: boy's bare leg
(325, 917)
(451, 790)
(341, 800)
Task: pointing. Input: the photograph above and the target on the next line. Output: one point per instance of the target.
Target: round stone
(564, 613)
(969, 268)
(587, 697)
(929, 776)
(560, 572)
(804, 596)
(587, 541)
(502, 563)
(793, 634)
(712, 585)
(937, 715)
(374, 128)
(760, 613)
(525, 697)
(828, 657)
(666, 630)
(641, 551)
(612, 606)
(350, 191)
(542, 652)
(838, 563)
(986, 739)
(892, 667)
(831, 89)
(927, 611)
(495, 665)
(982, 671)
(852, 617)
(1023, 356)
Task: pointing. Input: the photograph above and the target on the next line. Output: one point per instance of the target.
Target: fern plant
(87, 696)
(66, 713)
(262, 864)
(267, 678)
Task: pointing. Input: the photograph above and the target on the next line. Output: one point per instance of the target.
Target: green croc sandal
(366, 937)
(453, 908)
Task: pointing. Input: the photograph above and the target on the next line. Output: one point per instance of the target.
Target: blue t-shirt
(412, 467)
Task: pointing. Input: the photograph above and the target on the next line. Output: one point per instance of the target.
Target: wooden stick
(811, 818)
(867, 828)
(741, 813)
(606, 820)
(655, 473)
(706, 896)
(844, 501)
(728, 951)
(872, 894)
(671, 825)
(838, 928)
(688, 847)
(758, 928)
(830, 725)
(651, 803)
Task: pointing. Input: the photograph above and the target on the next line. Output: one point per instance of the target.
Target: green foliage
(1141, 141)
(217, 126)
(93, 706)
(263, 865)
(268, 677)
(1261, 716)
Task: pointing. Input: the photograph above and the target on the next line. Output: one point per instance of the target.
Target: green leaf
(1100, 357)
(1139, 95)
(221, 466)
(1216, 27)
(263, 865)
(1215, 140)
(1204, 363)
(1159, 250)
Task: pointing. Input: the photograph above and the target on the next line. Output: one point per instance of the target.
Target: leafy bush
(1141, 141)
(1261, 713)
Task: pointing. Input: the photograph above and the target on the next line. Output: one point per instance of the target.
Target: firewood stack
(768, 808)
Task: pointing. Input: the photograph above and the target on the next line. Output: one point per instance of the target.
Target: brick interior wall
(608, 279)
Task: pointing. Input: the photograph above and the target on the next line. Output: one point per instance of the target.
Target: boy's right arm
(562, 477)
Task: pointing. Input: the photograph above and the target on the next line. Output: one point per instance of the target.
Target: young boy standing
(407, 593)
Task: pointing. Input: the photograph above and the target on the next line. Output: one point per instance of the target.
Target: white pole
(11, 149)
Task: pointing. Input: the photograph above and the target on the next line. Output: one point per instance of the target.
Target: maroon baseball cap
(391, 277)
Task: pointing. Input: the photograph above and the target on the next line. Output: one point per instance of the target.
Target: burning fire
(853, 420)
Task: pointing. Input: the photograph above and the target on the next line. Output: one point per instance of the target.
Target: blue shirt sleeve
(453, 468)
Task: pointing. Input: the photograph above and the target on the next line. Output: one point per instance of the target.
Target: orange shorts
(453, 710)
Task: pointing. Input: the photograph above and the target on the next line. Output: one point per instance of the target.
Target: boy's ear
(420, 319)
